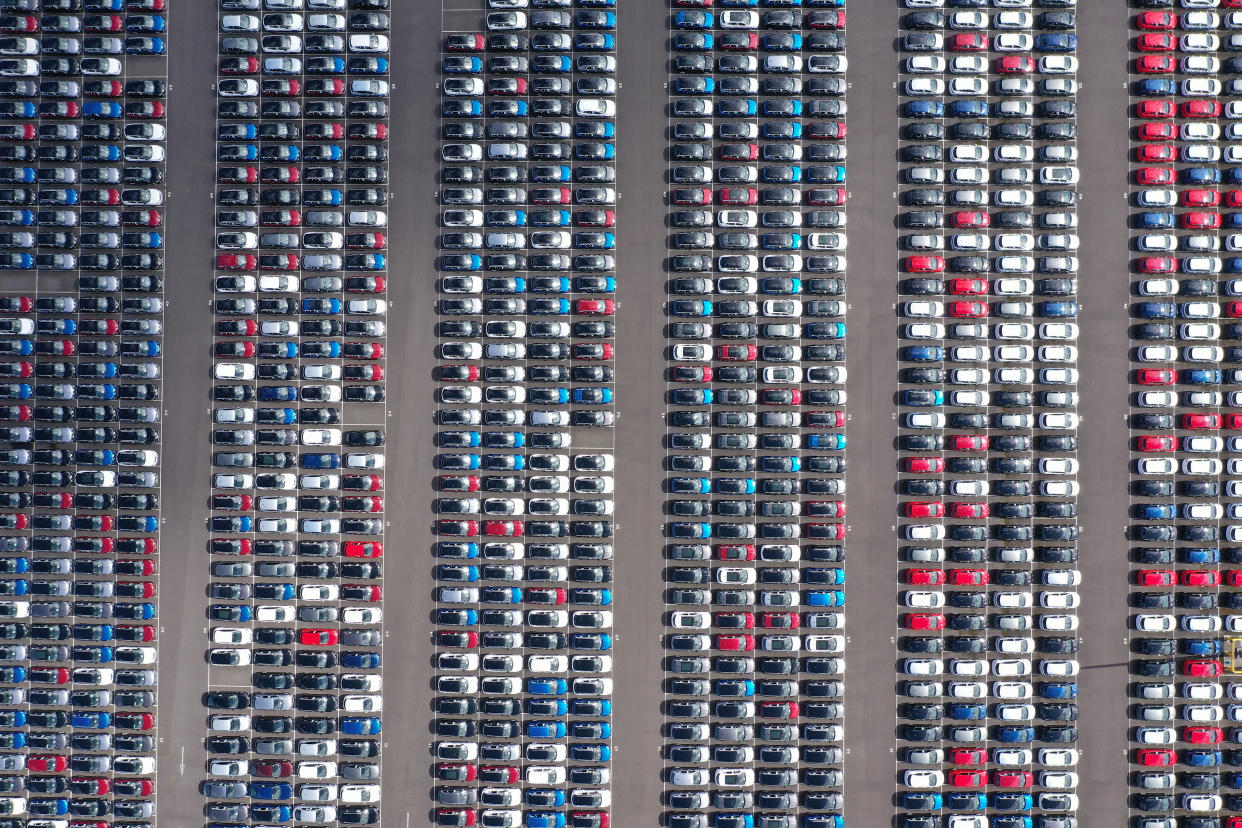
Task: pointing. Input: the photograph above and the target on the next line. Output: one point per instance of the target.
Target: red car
(739, 195)
(968, 510)
(968, 287)
(968, 442)
(595, 307)
(1156, 42)
(1201, 109)
(780, 710)
(780, 620)
(696, 196)
(735, 643)
(1200, 578)
(1156, 65)
(973, 218)
(924, 509)
(1015, 65)
(967, 310)
(825, 197)
(828, 20)
(24, 23)
(968, 42)
(1203, 735)
(1203, 668)
(969, 577)
(925, 577)
(1157, 132)
(967, 778)
(1156, 109)
(240, 66)
(735, 552)
(1157, 154)
(1234, 577)
(1152, 443)
(469, 43)
(1156, 757)
(1201, 220)
(924, 465)
(236, 261)
(925, 621)
(1233, 198)
(47, 764)
(1156, 376)
(737, 353)
(504, 528)
(319, 638)
(1153, 21)
(747, 43)
(825, 419)
(1232, 309)
(1233, 421)
(1155, 175)
(1200, 198)
(1158, 264)
(968, 756)
(925, 264)
(457, 816)
(1155, 577)
(1012, 779)
(1201, 421)
(553, 195)
(466, 773)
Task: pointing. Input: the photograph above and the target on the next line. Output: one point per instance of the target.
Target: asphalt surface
(1103, 365)
(186, 425)
(871, 354)
(413, 222)
(872, 344)
(642, 126)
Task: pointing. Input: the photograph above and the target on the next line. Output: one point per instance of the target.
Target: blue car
(777, 464)
(1200, 555)
(467, 108)
(733, 820)
(1162, 221)
(321, 306)
(101, 109)
(1202, 376)
(364, 726)
(921, 397)
(1056, 42)
(1204, 176)
(594, 42)
(923, 109)
(694, 20)
(13, 718)
(462, 65)
(545, 819)
(736, 107)
(1201, 647)
(1158, 511)
(1156, 86)
(546, 729)
(596, 20)
(923, 353)
(94, 721)
(691, 530)
(1012, 821)
(1202, 758)
(501, 595)
(1058, 310)
(781, 131)
(145, 46)
(16, 261)
(271, 790)
(547, 686)
(823, 821)
(581, 596)
(1015, 733)
(1013, 801)
(363, 661)
(584, 395)
(1057, 690)
(735, 687)
(828, 442)
(325, 66)
(825, 575)
(278, 393)
(547, 707)
(967, 109)
(321, 461)
(922, 801)
(46, 806)
(826, 598)
(966, 712)
(1155, 310)
(19, 218)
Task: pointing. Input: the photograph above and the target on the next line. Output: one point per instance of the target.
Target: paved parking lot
(755, 414)
(1183, 95)
(523, 598)
(83, 147)
(301, 285)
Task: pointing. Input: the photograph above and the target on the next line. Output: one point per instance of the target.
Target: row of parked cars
(1184, 703)
(523, 558)
(987, 322)
(82, 152)
(755, 432)
(297, 504)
